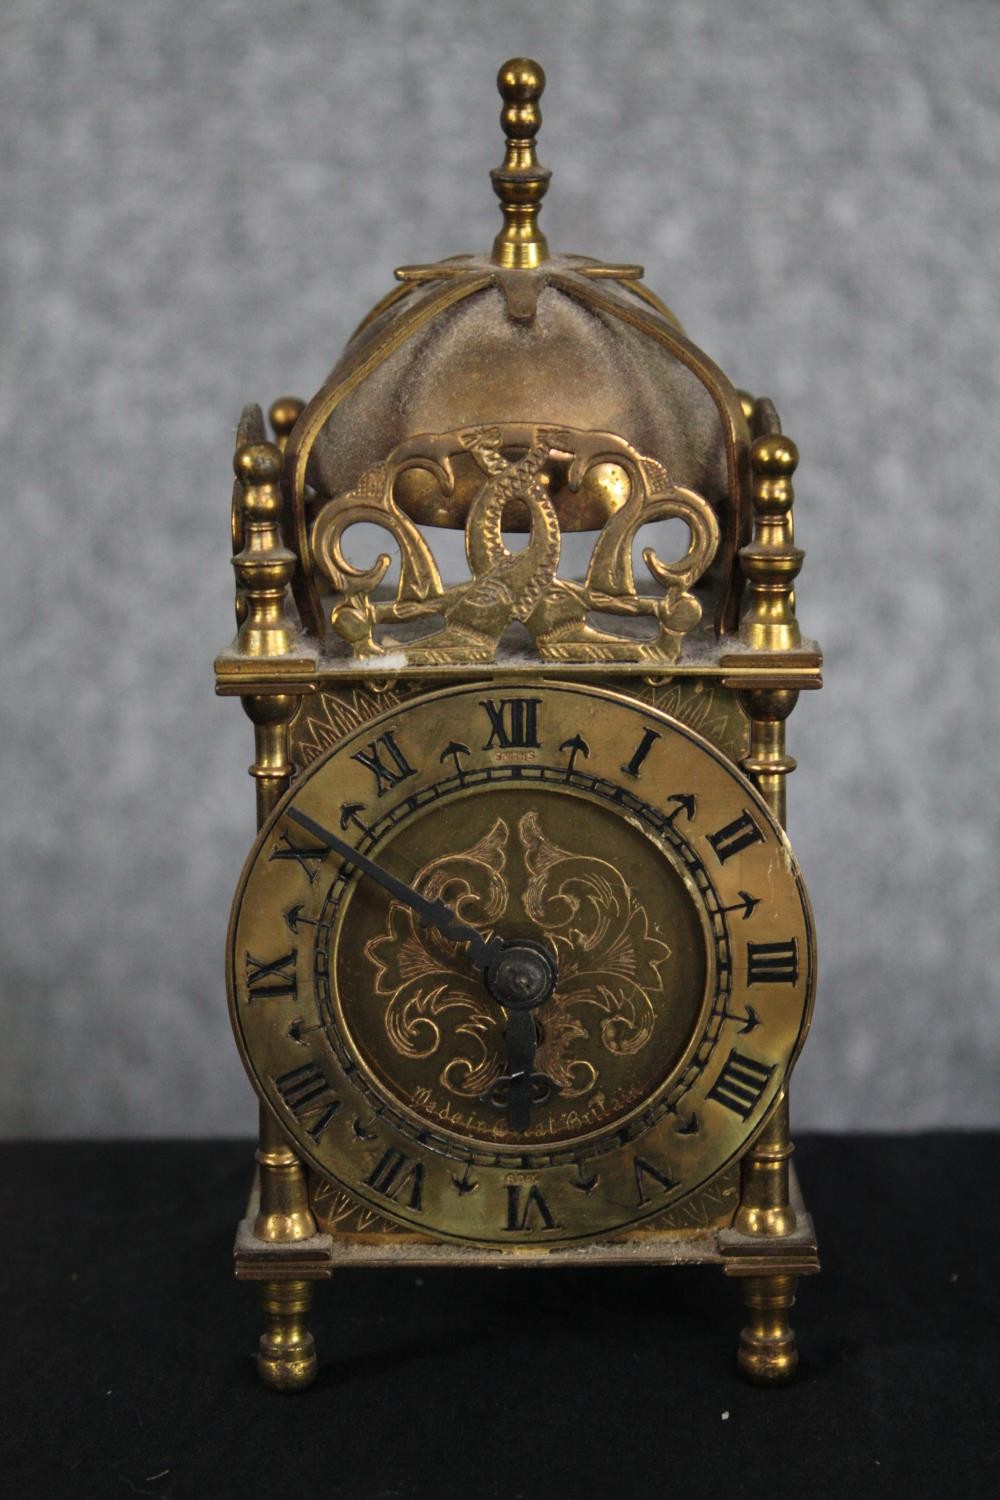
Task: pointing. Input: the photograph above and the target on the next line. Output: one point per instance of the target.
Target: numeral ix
(271, 980)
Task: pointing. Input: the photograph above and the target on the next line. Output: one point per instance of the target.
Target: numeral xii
(513, 722)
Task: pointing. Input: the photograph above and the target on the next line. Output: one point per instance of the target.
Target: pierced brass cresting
(519, 464)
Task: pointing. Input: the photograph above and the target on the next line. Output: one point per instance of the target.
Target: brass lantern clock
(521, 960)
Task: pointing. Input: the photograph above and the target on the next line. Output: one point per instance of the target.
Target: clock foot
(768, 1354)
(286, 1357)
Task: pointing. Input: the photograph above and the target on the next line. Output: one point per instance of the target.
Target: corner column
(771, 562)
(286, 1357)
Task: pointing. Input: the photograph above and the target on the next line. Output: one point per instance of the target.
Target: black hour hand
(520, 1039)
(483, 952)
(521, 1087)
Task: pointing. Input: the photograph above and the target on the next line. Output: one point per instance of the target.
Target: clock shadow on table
(516, 1382)
(130, 1351)
(518, 1319)
(523, 1383)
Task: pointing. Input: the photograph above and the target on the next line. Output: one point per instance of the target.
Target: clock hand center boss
(568, 1033)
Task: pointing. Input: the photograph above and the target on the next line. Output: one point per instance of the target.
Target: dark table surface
(128, 1350)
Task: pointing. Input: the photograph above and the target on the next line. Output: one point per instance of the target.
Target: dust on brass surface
(330, 715)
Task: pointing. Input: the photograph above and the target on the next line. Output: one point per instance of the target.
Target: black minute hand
(435, 914)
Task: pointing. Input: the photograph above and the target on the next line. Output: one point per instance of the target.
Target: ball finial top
(520, 182)
(258, 468)
(521, 83)
(774, 455)
(257, 464)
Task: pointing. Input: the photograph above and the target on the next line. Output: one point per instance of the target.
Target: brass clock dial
(521, 964)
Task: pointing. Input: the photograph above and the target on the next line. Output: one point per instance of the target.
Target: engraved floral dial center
(585, 984)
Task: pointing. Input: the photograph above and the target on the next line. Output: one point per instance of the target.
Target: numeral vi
(527, 1211)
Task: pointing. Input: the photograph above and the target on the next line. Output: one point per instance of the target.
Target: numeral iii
(740, 1084)
(772, 963)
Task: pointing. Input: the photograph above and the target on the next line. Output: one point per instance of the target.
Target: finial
(284, 414)
(771, 562)
(264, 566)
(520, 183)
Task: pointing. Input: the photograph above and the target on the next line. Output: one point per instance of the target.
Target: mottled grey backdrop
(200, 198)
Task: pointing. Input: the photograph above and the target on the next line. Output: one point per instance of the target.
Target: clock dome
(502, 347)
